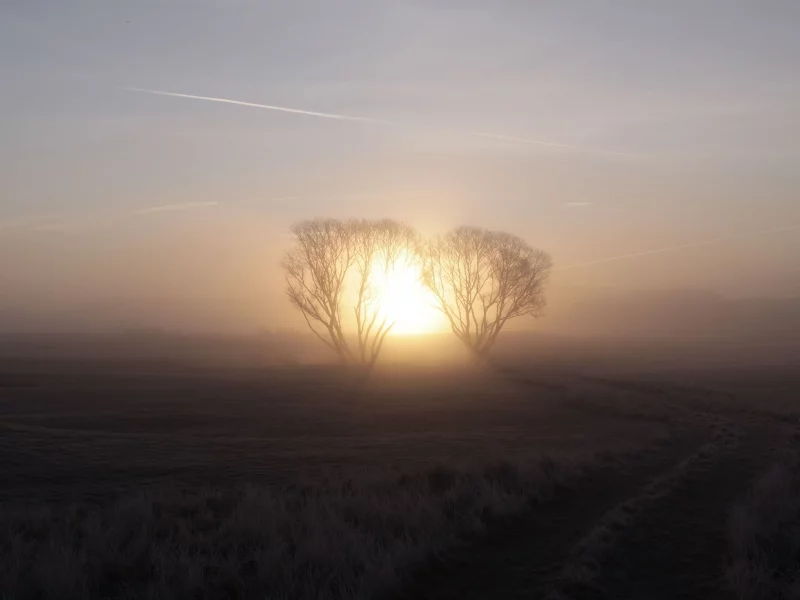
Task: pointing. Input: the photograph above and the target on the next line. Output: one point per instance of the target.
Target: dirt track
(677, 546)
(651, 527)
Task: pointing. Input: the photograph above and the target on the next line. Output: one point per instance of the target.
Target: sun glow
(403, 300)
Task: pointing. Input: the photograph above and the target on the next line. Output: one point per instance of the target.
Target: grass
(765, 536)
(75, 430)
(351, 540)
(128, 480)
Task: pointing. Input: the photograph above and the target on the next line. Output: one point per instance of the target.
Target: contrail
(172, 207)
(569, 147)
(295, 111)
(678, 247)
(341, 117)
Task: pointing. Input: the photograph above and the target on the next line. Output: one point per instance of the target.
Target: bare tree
(382, 248)
(326, 255)
(316, 268)
(481, 279)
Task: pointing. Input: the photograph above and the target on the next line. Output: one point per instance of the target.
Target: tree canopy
(478, 279)
(326, 253)
(482, 279)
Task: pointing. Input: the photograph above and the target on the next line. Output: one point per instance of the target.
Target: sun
(402, 299)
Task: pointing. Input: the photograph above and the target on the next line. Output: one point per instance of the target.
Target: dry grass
(765, 533)
(354, 539)
(72, 431)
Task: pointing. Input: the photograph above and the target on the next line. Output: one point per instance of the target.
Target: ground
(652, 461)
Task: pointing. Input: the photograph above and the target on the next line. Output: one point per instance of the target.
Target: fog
(216, 274)
(651, 151)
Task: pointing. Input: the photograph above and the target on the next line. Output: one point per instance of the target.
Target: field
(129, 478)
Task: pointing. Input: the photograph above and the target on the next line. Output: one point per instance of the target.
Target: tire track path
(649, 529)
(677, 547)
(524, 557)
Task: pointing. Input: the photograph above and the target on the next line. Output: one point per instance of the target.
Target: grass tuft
(765, 536)
(350, 540)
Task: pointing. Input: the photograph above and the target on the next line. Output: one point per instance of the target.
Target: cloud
(55, 223)
(342, 117)
(296, 111)
(27, 221)
(173, 207)
(578, 204)
(283, 199)
(44, 223)
(556, 145)
(60, 225)
(688, 245)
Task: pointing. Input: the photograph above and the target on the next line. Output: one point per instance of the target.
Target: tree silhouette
(381, 247)
(315, 273)
(326, 254)
(481, 279)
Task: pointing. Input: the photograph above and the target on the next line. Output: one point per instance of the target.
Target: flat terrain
(657, 459)
(654, 525)
(72, 428)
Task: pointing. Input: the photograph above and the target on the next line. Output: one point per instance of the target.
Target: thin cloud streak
(173, 207)
(55, 223)
(64, 225)
(545, 143)
(26, 222)
(578, 204)
(296, 111)
(341, 117)
(688, 245)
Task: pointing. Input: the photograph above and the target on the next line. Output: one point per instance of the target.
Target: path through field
(650, 527)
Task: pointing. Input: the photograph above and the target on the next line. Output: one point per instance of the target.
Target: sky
(154, 154)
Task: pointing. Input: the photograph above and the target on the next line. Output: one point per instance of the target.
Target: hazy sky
(593, 129)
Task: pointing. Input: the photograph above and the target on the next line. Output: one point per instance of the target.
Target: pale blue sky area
(593, 129)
